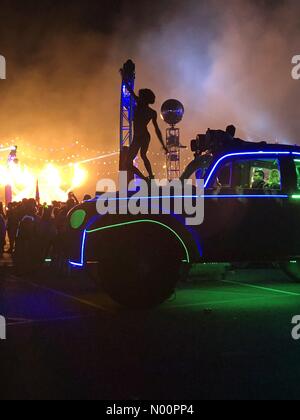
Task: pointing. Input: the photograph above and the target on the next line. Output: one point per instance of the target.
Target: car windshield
(248, 173)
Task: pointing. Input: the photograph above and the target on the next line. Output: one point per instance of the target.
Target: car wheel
(140, 281)
(292, 269)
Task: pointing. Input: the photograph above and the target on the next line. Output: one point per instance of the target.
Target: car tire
(292, 269)
(142, 280)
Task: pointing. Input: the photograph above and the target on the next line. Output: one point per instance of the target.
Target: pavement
(226, 334)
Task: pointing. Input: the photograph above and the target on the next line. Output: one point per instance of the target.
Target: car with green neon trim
(252, 214)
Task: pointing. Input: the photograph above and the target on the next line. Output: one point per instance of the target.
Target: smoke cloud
(228, 62)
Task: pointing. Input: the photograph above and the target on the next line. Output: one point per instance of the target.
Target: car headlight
(77, 219)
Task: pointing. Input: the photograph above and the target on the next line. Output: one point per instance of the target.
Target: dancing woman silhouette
(143, 115)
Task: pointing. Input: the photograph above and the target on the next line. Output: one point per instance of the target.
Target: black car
(252, 213)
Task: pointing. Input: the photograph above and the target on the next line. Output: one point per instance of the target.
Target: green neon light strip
(267, 289)
(188, 259)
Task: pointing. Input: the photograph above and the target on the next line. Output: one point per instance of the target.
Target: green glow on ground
(77, 219)
(233, 296)
(188, 259)
(238, 292)
(266, 289)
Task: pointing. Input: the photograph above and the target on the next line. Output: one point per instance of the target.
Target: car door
(243, 218)
(293, 210)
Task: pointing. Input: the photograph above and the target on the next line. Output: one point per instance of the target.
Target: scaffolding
(127, 105)
(172, 112)
(173, 155)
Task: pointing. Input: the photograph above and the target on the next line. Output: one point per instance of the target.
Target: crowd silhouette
(33, 233)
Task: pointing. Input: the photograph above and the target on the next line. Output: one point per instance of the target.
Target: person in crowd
(72, 196)
(46, 233)
(87, 197)
(2, 229)
(62, 240)
(27, 246)
(36, 232)
(258, 180)
(13, 215)
(274, 182)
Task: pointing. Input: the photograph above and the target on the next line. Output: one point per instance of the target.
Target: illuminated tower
(126, 114)
(172, 112)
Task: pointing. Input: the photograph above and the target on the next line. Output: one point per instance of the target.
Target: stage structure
(127, 105)
(172, 112)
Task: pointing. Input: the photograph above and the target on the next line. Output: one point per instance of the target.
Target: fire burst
(55, 182)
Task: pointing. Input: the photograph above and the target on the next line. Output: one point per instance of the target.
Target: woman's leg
(133, 152)
(144, 151)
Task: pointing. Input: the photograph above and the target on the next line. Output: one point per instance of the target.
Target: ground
(222, 336)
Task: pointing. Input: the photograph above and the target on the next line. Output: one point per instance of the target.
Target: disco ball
(172, 111)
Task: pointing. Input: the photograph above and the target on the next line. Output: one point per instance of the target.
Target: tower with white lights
(127, 105)
(172, 112)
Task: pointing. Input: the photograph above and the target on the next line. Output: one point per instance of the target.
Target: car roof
(261, 147)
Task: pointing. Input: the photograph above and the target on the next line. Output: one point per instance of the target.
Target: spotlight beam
(7, 149)
(96, 158)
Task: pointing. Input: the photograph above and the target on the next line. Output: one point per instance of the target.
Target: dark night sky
(226, 61)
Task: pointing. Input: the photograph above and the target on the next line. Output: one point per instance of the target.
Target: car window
(223, 176)
(258, 174)
(297, 164)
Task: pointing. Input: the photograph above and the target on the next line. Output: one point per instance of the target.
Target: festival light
(7, 149)
(55, 182)
(100, 157)
(79, 176)
(73, 161)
